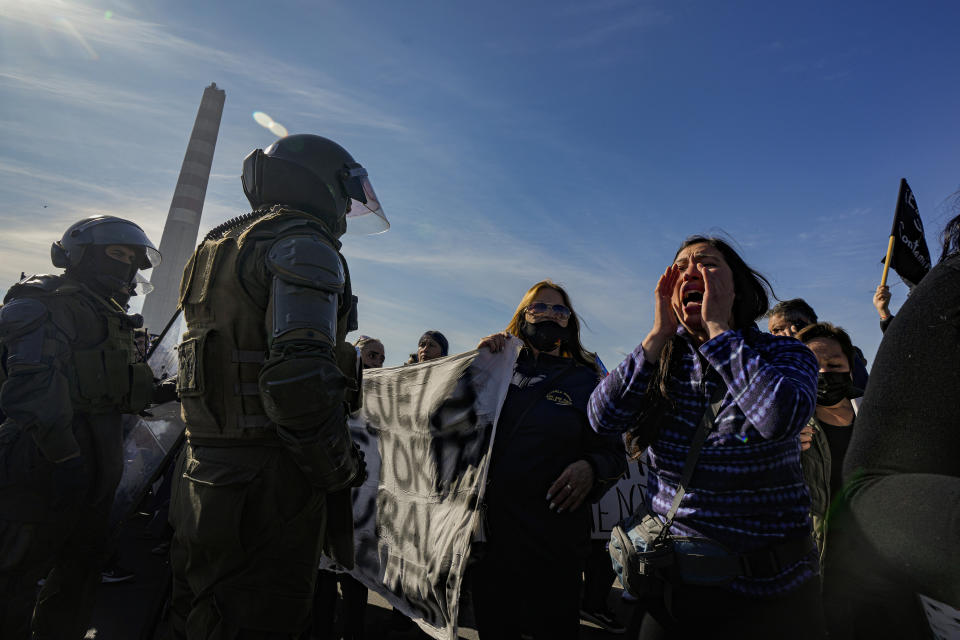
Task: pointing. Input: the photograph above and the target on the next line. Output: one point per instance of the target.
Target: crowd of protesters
(828, 497)
(796, 483)
(789, 466)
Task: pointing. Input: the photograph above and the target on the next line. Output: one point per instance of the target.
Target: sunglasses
(544, 309)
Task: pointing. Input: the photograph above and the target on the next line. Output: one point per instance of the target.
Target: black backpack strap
(706, 425)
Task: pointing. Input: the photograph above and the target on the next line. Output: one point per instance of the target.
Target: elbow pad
(299, 389)
(327, 456)
(308, 279)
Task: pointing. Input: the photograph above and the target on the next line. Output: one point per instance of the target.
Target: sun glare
(57, 16)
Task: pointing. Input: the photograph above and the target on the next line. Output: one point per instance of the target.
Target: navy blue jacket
(533, 446)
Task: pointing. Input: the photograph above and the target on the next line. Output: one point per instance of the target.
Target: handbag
(645, 555)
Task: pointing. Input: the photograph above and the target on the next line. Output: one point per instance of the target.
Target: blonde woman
(547, 466)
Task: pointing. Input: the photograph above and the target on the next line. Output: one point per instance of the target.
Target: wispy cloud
(616, 26)
(492, 271)
(159, 47)
(25, 181)
(80, 93)
(577, 9)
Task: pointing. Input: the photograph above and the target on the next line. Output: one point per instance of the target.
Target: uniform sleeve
(776, 390)
(302, 387)
(36, 393)
(621, 396)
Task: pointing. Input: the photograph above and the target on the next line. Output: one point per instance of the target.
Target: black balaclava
(107, 276)
(123, 295)
(545, 335)
(834, 386)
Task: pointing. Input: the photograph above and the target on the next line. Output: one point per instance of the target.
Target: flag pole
(886, 263)
(893, 231)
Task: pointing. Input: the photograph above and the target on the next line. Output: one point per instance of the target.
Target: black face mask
(123, 295)
(546, 335)
(105, 275)
(832, 387)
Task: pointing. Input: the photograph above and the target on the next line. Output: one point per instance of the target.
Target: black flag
(910, 257)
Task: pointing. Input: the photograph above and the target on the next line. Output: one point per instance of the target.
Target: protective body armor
(89, 339)
(227, 295)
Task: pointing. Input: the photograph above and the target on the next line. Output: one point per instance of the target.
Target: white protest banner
(944, 620)
(619, 502)
(426, 431)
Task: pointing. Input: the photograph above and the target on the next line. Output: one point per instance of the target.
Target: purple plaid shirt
(747, 491)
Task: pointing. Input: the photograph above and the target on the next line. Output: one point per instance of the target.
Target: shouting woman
(747, 497)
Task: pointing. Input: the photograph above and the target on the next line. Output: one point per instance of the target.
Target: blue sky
(508, 142)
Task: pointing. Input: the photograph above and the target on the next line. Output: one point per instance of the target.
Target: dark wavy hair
(950, 236)
(831, 332)
(752, 293)
(795, 311)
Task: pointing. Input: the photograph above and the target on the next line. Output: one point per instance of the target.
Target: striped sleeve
(776, 388)
(621, 395)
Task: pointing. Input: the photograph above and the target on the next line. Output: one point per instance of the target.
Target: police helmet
(315, 175)
(103, 231)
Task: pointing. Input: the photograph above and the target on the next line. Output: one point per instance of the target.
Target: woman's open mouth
(692, 301)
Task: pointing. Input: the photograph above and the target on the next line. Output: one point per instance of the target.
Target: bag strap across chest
(699, 438)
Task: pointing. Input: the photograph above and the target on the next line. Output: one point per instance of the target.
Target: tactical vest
(226, 342)
(104, 376)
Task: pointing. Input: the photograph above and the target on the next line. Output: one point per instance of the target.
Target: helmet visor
(366, 216)
(141, 286)
(118, 231)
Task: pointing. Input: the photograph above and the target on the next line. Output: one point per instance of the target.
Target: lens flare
(267, 122)
(262, 119)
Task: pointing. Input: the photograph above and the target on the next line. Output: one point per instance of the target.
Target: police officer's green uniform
(266, 380)
(69, 370)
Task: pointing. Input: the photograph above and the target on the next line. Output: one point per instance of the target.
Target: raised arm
(616, 403)
(776, 390)
(620, 397)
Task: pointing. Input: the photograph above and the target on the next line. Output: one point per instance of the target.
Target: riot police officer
(266, 380)
(69, 370)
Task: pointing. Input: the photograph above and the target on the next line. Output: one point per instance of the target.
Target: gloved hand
(362, 473)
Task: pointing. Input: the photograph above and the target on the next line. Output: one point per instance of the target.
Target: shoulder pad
(281, 221)
(21, 316)
(34, 285)
(307, 261)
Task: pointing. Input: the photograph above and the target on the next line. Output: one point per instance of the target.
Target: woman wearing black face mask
(825, 439)
(547, 467)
